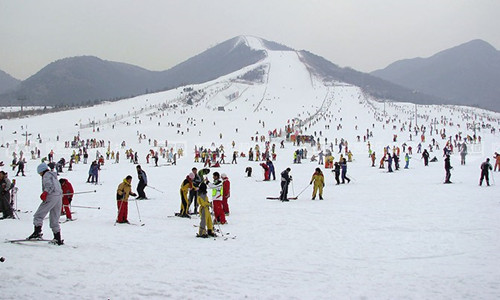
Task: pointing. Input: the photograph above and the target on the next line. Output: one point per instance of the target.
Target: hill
(468, 74)
(87, 79)
(7, 82)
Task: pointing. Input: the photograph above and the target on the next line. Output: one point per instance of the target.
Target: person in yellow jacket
(319, 182)
(206, 225)
(122, 193)
(186, 186)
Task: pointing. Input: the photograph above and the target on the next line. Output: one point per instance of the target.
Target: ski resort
(385, 230)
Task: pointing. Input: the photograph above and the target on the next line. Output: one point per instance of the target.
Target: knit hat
(41, 168)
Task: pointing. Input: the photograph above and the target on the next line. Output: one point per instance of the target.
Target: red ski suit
(226, 186)
(68, 191)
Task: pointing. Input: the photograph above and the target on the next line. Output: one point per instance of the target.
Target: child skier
(67, 190)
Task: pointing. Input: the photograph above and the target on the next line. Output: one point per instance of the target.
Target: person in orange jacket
(319, 182)
(68, 191)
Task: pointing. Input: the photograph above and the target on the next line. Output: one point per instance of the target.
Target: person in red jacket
(68, 191)
(266, 171)
(226, 187)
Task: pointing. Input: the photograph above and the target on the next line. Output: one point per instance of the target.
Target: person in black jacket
(336, 170)
(143, 182)
(447, 168)
(485, 168)
(285, 181)
(425, 156)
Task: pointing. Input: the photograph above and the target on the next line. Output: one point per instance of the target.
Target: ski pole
(154, 188)
(85, 192)
(91, 207)
(138, 212)
(302, 191)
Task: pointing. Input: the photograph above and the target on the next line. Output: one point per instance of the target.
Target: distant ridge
(88, 79)
(7, 82)
(468, 74)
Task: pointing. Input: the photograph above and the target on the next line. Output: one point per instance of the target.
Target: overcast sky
(158, 34)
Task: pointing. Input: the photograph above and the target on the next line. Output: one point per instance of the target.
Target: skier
(485, 168)
(497, 161)
(319, 182)
(5, 186)
(248, 171)
(343, 167)
(396, 161)
(51, 203)
(336, 170)
(266, 171)
(186, 186)
(447, 168)
(122, 193)
(226, 193)
(143, 182)
(407, 160)
(389, 163)
(206, 225)
(68, 191)
(217, 187)
(285, 181)
(93, 172)
(20, 167)
(425, 156)
(196, 179)
(271, 169)
(463, 153)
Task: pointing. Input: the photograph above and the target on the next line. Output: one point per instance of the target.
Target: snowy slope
(401, 235)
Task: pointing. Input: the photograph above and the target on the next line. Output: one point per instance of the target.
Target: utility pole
(416, 115)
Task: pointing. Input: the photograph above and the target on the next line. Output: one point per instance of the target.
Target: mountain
(86, 79)
(372, 85)
(7, 82)
(468, 74)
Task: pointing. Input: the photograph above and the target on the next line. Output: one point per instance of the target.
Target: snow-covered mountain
(468, 74)
(381, 236)
(88, 80)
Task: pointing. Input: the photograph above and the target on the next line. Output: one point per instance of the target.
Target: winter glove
(70, 199)
(44, 195)
(310, 183)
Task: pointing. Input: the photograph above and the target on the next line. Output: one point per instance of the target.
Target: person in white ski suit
(51, 203)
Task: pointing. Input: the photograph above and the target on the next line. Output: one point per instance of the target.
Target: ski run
(378, 233)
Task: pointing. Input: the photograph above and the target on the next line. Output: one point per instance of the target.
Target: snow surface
(401, 235)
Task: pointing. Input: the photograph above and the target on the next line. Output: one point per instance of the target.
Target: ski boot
(37, 234)
(57, 239)
(211, 233)
(203, 235)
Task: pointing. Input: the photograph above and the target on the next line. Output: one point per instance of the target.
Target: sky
(158, 34)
